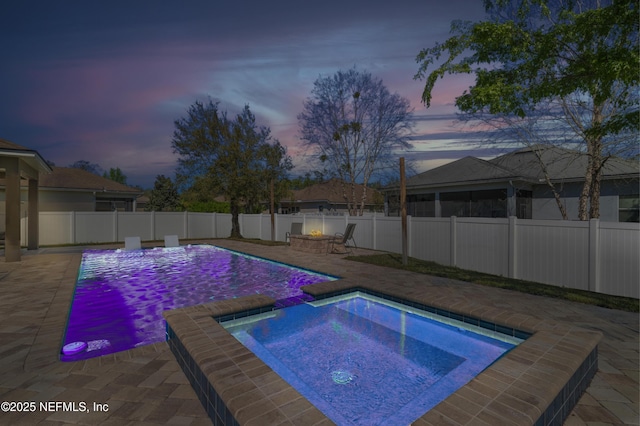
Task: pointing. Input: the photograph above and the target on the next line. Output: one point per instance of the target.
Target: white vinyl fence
(597, 256)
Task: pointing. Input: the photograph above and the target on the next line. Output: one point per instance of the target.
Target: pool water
(120, 295)
(362, 360)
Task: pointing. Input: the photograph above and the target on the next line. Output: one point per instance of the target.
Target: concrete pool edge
(539, 382)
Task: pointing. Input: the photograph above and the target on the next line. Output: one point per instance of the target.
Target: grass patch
(392, 260)
(259, 242)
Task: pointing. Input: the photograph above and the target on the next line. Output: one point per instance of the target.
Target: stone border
(536, 383)
(310, 244)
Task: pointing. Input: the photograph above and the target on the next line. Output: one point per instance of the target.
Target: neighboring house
(327, 198)
(514, 185)
(19, 165)
(141, 203)
(71, 189)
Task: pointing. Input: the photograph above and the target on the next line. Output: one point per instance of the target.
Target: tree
(543, 58)
(306, 180)
(354, 124)
(115, 175)
(234, 157)
(163, 196)
(199, 198)
(87, 166)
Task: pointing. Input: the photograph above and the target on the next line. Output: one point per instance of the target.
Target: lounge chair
(343, 240)
(296, 229)
(132, 243)
(171, 241)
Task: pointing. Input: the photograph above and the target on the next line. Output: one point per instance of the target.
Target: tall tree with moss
(354, 125)
(235, 157)
(575, 59)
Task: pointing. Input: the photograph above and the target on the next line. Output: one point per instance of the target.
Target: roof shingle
(72, 178)
(561, 164)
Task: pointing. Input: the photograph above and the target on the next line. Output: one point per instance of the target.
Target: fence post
(153, 224)
(186, 224)
(115, 226)
(374, 227)
(453, 261)
(594, 255)
(214, 218)
(72, 231)
(409, 234)
(275, 227)
(512, 271)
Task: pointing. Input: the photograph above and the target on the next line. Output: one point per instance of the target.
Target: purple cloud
(104, 82)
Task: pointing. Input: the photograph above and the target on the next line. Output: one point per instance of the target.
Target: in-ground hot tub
(363, 360)
(538, 382)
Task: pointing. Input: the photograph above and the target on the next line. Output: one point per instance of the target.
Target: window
(423, 205)
(455, 203)
(524, 204)
(629, 208)
(486, 203)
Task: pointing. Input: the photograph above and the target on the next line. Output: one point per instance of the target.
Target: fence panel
(223, 225)
(431, 239)
(596, 256)
(283, 225)
(553, 252)
(135, 224)
(265, 227)
(201, 225)
(363, 234)
(250, 225)
(331, 225)
(483, 245)
(619, 251)
(169, 223)
(95, 227)
(55, 228)
(389, 234)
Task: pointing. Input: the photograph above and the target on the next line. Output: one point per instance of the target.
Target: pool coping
(537, 383)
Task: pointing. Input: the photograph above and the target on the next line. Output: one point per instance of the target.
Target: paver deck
(146, 386)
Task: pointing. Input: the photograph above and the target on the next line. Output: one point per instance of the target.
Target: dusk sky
(105, 81)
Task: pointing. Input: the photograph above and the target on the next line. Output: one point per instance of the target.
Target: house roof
(5, 144)
(330, 191)
(521, 165)
(465, 170)
(29, 156)
(561, 163)
(69, 178)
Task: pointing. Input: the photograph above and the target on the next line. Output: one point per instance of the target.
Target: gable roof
(5, 144)
(463, 171)
(521, 165)
(29, 156)
(562, 163)
(69, 178)
(330, 191)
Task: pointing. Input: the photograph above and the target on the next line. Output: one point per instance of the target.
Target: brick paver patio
(146, 386)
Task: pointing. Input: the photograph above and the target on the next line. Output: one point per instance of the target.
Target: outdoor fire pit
(311, 243)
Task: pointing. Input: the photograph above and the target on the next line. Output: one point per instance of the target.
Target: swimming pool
(120, 295)
(362, 360)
